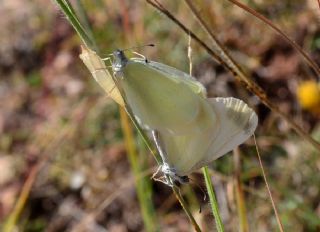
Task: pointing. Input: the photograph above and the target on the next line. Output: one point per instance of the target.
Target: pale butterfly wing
(241, 122)
(240, 125)
(101, 74)
(234, 123)
(183, 152)
(159, 99)
(178, 75)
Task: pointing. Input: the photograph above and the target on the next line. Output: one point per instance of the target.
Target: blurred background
(61, 133)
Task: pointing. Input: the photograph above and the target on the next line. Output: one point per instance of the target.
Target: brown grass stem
(267, 186)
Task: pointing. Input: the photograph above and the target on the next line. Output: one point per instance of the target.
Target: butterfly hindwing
(233, 122)
(238, 122)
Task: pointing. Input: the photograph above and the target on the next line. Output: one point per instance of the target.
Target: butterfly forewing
(158, 101)
(180, 76)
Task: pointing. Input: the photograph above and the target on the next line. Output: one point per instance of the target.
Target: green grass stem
(213, 200)
(143, 185)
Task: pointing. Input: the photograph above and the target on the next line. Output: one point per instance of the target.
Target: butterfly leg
(156, 173)
(108, 58)
(155, 135)
(164, 180)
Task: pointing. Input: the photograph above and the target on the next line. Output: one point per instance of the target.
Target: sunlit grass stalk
(213, 200)
(71, 16)
(19, 206)
(142, 184)
(240, 199)
(241, 206)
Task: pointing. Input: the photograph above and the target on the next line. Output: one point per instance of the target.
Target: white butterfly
(189, 130)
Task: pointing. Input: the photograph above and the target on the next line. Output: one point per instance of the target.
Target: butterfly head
(119, 60)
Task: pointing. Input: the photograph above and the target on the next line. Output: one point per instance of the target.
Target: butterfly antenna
(122, 50)
(146, 45)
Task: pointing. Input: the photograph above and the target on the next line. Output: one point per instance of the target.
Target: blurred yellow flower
(308, 94)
